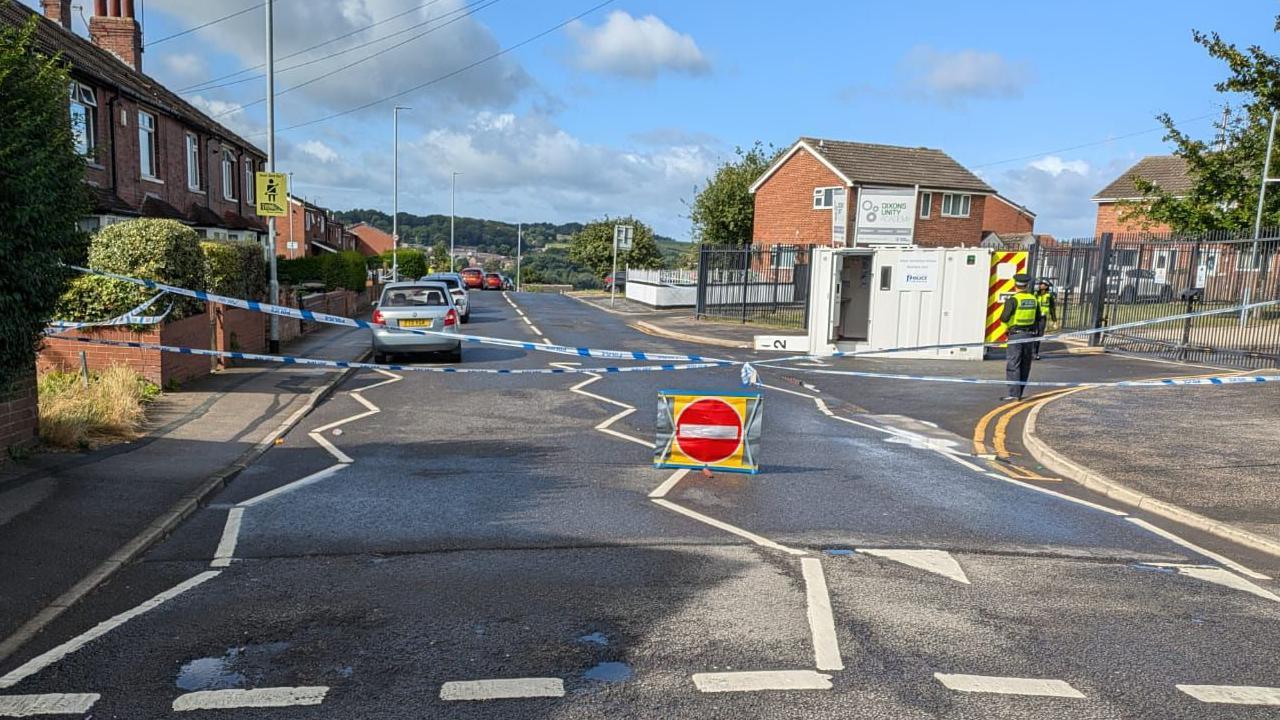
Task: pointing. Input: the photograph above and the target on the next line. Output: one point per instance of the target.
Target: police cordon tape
(295, 360)
(327, 319)
(1042, 338)
(1161, 382)
(133, 317)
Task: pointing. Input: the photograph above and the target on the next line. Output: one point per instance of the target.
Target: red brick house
(1169, 172)
(148, 152)
(370, 240)
(310, 230)
(795, 196)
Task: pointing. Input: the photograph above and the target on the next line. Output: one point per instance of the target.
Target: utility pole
(453, 209)
(274, 345)
(1257, 217)
(519, 243)
(395, 190)
(288, 203)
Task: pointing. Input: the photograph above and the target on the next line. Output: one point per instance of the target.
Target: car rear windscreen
(413, 297)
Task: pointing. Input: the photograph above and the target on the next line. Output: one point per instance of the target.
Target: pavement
(680, 323)
(79, 511)
(492, 546)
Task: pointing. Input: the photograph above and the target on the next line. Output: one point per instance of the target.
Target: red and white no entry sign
(709, 430)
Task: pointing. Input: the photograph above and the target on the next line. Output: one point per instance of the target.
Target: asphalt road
(471, 527)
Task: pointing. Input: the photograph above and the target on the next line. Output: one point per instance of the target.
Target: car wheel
(467, 318)
(379, 358)
(454, 355)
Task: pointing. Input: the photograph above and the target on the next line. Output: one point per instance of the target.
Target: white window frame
(228, 174)
(926, 205)
(952, 199)
(824, 198)
(193, 161)
(85, 132)
(251, 191)
(783, 260)
(148, 148)
(308, 214)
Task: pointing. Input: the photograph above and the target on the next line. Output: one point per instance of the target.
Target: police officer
(1048, 312)
(1021, 314)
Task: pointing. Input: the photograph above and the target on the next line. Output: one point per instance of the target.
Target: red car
(492, 281)
(473, 278)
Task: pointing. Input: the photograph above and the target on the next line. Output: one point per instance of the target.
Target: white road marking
(939, 562)
(257, 698)
(826, 649)
(502, 689)
(788, 391)
(40, 662)
(393, 378)
(1008, 685)
(314, 477)
(761, 680)
(1192, 546)
(1219, 576)
(762, 541)
(1233, 694)
(667, 485)
(51, 704)
(332, 449)
(230, 536)
(344, 421)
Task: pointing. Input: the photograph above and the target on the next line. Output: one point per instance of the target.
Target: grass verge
(111, 408)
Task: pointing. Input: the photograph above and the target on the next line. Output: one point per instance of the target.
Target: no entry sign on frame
(708, 430)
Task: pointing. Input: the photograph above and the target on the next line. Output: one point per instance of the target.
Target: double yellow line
(1002, 416)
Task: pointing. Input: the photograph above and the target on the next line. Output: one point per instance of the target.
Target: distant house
(1017, 240)
(148, 152)
(370, 240)
(310, 230)
(794, 198)
(1169, 172)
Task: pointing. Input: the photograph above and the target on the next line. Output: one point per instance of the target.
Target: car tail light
(377, 317)
(451, 317)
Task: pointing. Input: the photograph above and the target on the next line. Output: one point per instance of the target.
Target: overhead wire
(1088, 144)
(201, 26)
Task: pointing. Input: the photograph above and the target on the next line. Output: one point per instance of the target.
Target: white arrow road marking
(52, 704)
(258, 698)
(826, 649)
(939, 562)
(1192, 546)
(762, 541)
(761, 680)
(1233, 694)
(1008, 685)
(40, 662)
(502, 689)
(1219, 576)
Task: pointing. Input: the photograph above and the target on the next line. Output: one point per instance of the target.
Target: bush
(111, 408)
(162, 250)
(411, 262)
(333, 270)
(234, 268)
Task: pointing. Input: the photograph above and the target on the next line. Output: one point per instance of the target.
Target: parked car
(426, 305)
(508, 283)
(622, 281)
(492, 281)
(473, 278)
(1140, 285)
(457, 288)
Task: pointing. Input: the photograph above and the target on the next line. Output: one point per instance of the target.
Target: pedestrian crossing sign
(271, 194)
(708, 430)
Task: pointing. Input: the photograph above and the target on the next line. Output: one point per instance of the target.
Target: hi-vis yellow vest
(1045, 298)
(1024, 315)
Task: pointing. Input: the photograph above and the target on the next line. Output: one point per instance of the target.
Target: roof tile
(871, 164)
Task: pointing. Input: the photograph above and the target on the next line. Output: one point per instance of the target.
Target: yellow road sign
(272, 193)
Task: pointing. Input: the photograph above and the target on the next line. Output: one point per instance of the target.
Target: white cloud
(636, 47)
(319, 151)
(183, 68)
(1055, 165)
(950, 78)
(1059, 191)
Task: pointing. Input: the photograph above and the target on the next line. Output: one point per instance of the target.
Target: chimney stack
(58, 11)
(114, 29)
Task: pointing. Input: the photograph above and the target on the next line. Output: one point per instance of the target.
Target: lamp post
(453, 206)
(273, 346)
(395, 190)
(519, 245)
(289, 204)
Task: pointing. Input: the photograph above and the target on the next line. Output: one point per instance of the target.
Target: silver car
(424, 305)
(457, 289)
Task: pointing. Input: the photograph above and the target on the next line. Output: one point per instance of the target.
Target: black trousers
(1017, 366)
(1040, 327)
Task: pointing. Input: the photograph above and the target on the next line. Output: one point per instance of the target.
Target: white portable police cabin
(872, 298)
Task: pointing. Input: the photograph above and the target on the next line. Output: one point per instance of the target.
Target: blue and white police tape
(327, 319)
(750, 377)
(1041, 338)
(1159, 382)
(133, 317)
(295, 360)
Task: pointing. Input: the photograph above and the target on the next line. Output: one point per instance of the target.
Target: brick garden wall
(18, 417)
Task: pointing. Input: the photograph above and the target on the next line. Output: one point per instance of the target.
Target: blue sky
(630, 108)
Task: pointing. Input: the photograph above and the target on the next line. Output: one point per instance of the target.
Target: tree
(592, 247)
(440, 257)
(42, 196)
(1227, 170)
(723, 212)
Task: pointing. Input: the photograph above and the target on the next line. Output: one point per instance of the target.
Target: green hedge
(235, 268)
(163, 250)
(411, 262)
(334, 270)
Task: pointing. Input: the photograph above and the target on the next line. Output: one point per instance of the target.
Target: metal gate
(765, 284)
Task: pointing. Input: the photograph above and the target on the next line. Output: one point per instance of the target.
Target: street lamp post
(273, 346)
(453, 207)
(289, 204)
(395, 190)
(519, 249)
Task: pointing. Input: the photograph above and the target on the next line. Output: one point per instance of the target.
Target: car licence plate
(416, 322)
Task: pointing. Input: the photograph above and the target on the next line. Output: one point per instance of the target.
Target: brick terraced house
(953, 207)
(310, 230)
(148, 152)
(1169, 172)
